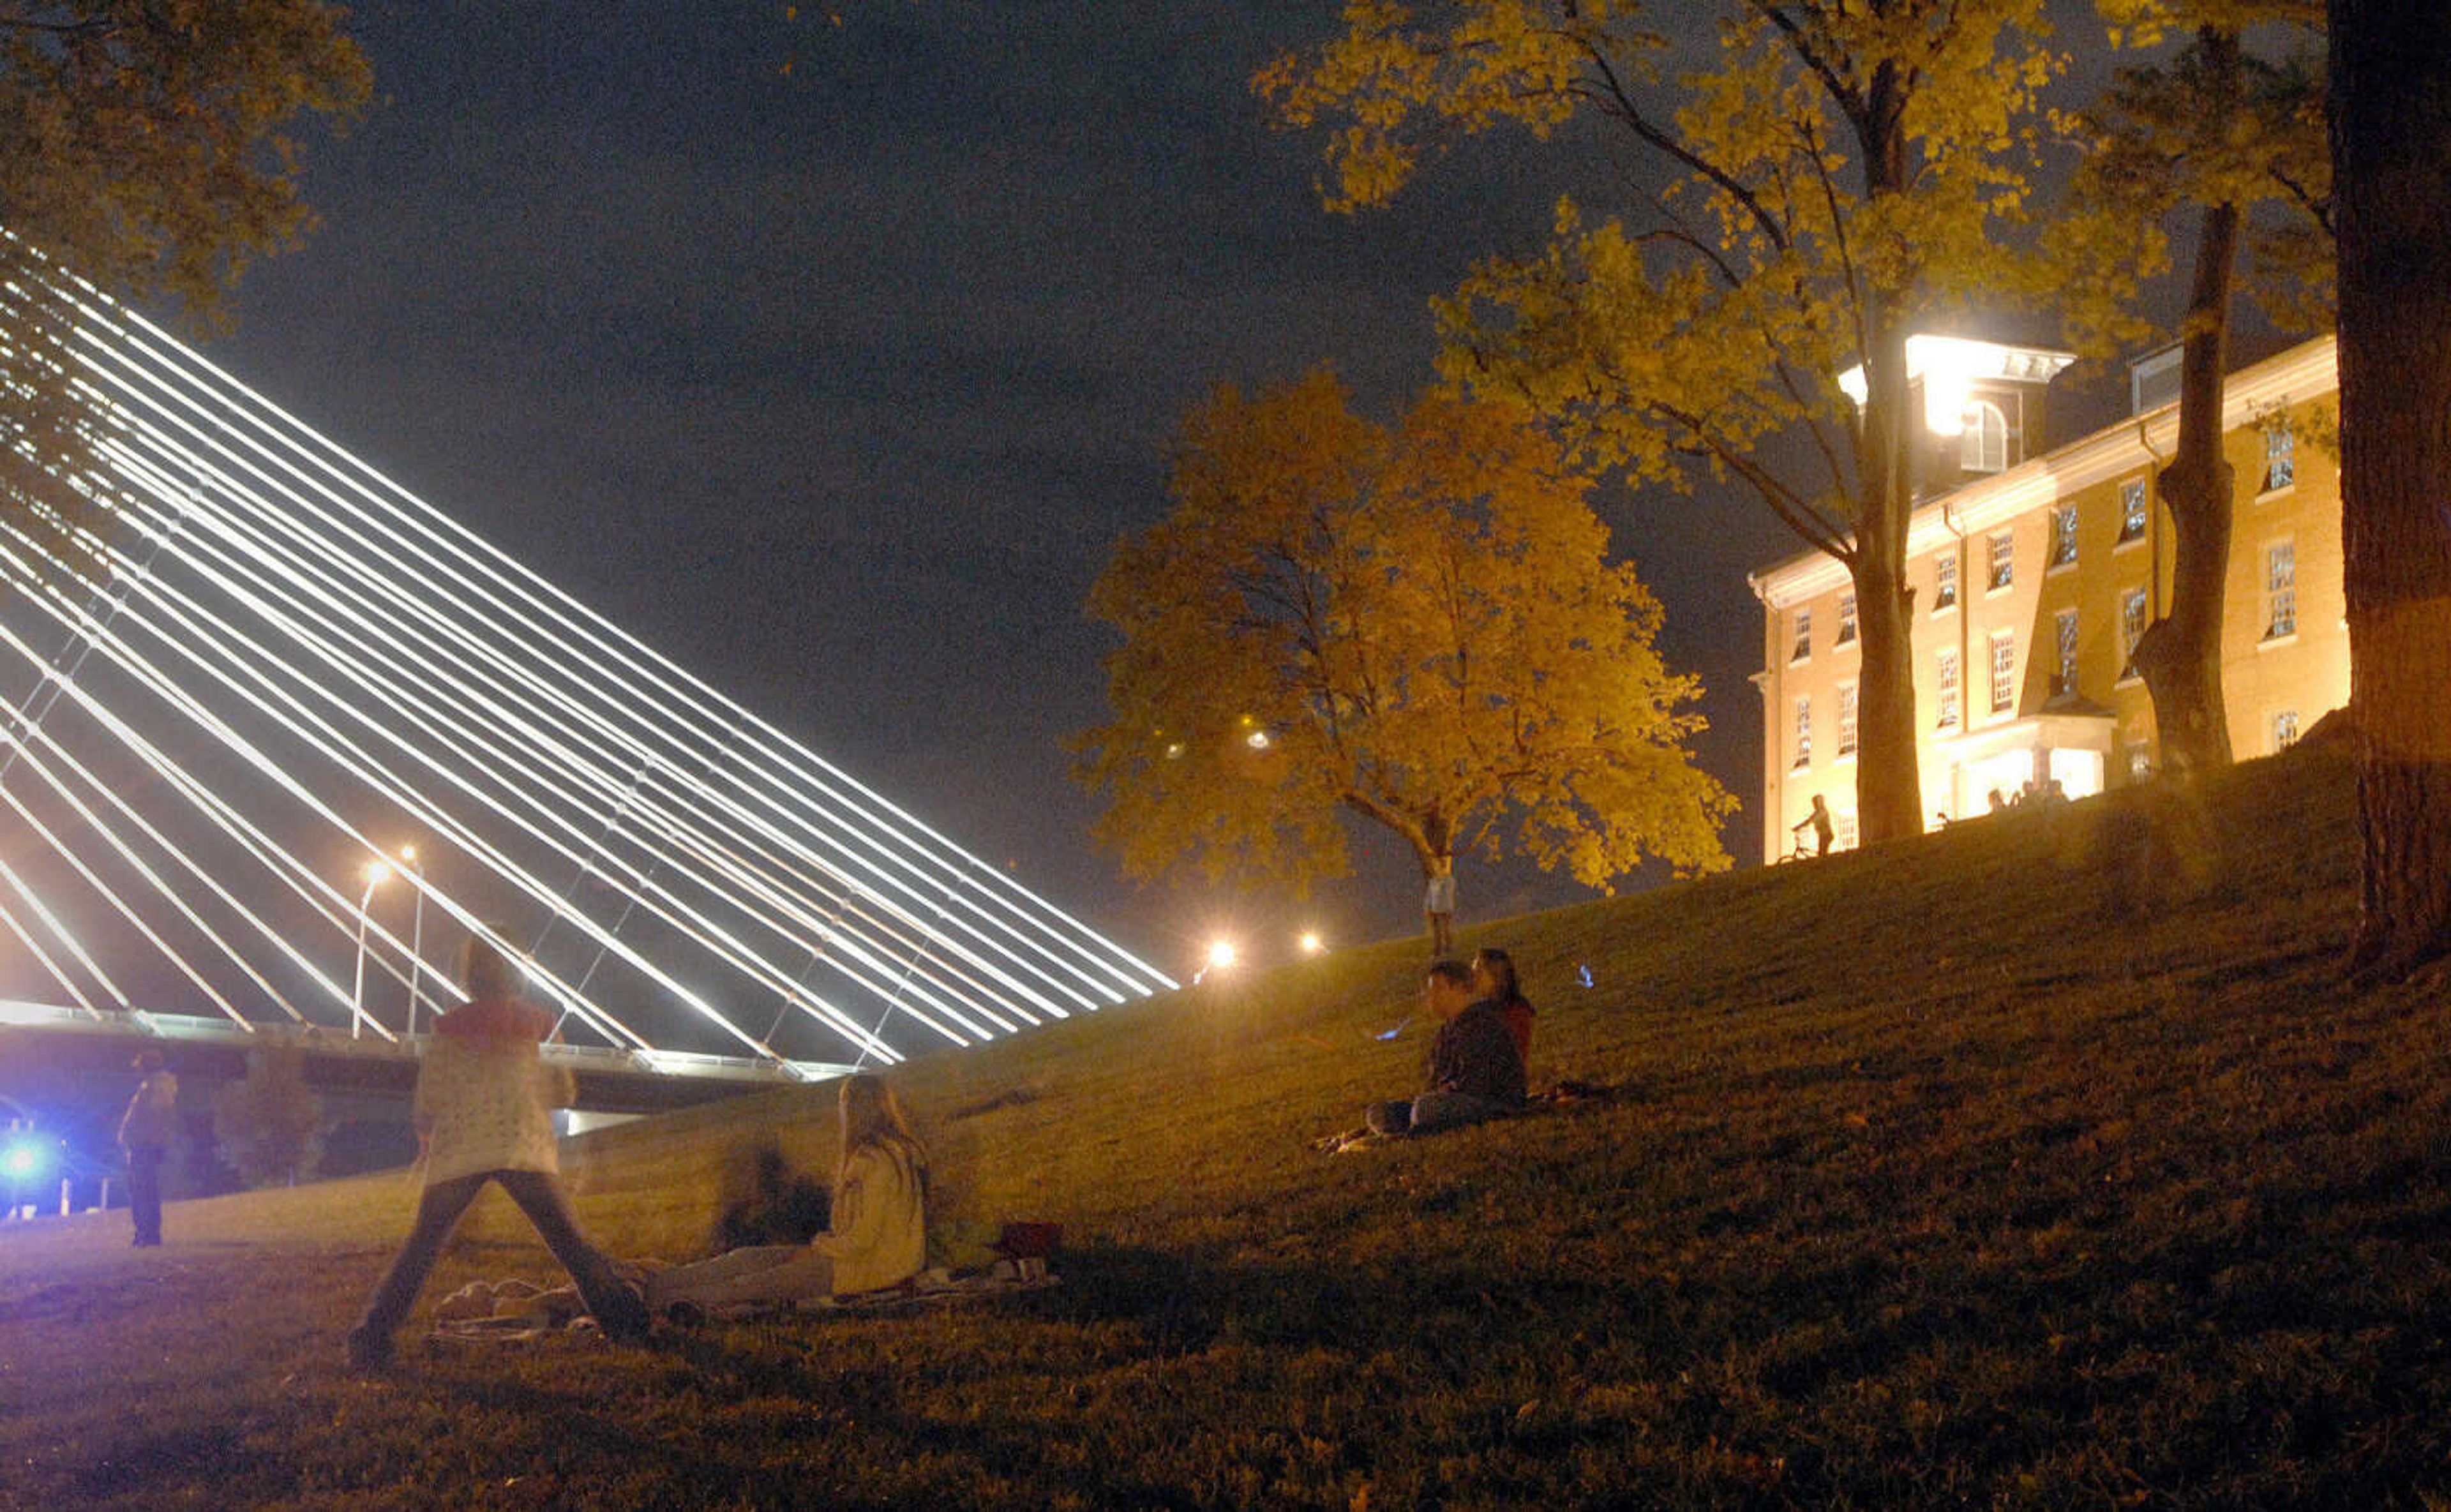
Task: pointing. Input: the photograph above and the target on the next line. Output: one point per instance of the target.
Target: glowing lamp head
(1257, 739)
(23, 1159)
(1310, 942)
(377, 873)
(1221, 955)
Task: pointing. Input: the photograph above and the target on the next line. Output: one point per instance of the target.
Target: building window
(2003, 562)
(2133, 510)
(1947, 682)
(2280, 590)
(2063, 536)
(2065, 642)
(2131, 629)
(2285, 729)
(2004, 670)
(1803, 732)
(1846, 619)
(2279, 458)
(1944, 581)
(1846, 719)
(2140, 762)
(1983, 446)
(1803, 636)
(1846, 830)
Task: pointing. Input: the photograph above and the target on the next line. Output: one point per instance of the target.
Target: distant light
(408, 853)
(1257, 739)
(24, 1158)
(1221, 955)
(1174, 751)
(377, 873)
(1311, 944)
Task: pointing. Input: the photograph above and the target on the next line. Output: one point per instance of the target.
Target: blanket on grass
(518, 1311)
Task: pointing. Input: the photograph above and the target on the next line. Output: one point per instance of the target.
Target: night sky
(831, 359)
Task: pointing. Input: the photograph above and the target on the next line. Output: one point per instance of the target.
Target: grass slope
(1938, 1180)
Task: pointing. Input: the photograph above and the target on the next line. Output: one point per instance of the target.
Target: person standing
(1820, 821)
(485, 1114)
(1437, 906)
(145, 1132)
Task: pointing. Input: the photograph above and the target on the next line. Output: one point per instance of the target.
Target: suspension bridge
(278, 732)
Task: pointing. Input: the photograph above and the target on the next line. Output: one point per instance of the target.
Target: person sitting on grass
(877, 1236)
(484, 1112)
(1474, 1071)
(1493, 977)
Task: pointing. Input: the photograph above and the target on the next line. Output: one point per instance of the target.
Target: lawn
(2043, 1162)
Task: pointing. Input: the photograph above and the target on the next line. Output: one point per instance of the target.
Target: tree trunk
(1889, 783)
(2391, 154)
(2179, 655)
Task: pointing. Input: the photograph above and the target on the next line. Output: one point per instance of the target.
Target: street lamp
(375, 874)
(415, 935)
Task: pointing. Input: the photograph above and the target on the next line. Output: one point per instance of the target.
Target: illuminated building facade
(2033, 575)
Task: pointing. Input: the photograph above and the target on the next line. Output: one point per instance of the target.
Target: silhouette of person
(145, 1132)
(1822, 827)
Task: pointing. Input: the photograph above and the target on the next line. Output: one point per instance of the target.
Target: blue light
(24, 1159)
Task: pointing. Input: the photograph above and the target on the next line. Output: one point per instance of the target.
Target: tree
(1418, 626)
(145, 151)
(1843, 173)
(2227, 134)
(2390, 64)
(270, 1124)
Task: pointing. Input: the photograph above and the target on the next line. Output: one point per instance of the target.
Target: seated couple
(877, 1237)
(1475, 1063)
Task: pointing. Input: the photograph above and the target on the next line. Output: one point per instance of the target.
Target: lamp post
(415, 935)
(375, 874)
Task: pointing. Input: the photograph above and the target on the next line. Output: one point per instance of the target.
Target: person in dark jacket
(1474, 1071)
(145, 1132)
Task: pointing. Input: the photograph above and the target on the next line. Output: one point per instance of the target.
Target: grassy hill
(2044, 1161)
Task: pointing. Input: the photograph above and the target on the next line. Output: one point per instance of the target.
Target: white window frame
(1803, 732)
(2280, 590)
(2135, 613)
(1803, 649)
(1846, 619)
(2279, 459)
(2135, 511)
(2281, 729)
(1845, 721)
(2002, 662)
(2061, 553)
(2064, 643)
(2000, 557)
(1946, 686)
(1944, 581)
(1983, 445)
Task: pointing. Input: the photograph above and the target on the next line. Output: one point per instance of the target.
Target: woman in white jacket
(877, 1237)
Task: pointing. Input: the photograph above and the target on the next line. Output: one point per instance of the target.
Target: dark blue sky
(837, 383)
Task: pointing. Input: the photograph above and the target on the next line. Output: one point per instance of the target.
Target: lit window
(1947, 684)
(1944, 581)
(2280, 590)
(2065, 642)
(2140, 762)
(1803, 636)
(2004, 670)
(2285, 729)
(2003, 562)
(1846, 618)
(1983, 446)
(2279, 458)
(2133, 510)
(2131, 629)
(1846, 719)
(1846, 828)
(2063, 536)
(1804, 732)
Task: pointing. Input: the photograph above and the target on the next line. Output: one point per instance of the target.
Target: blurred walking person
(485, 1114)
